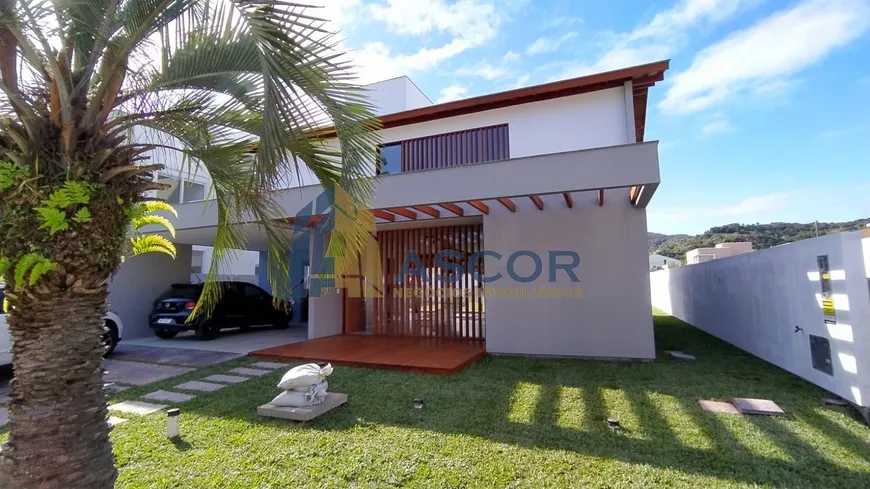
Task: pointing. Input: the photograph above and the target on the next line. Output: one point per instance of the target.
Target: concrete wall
(325, 314)
(588, 120)
(612, 319)
(240, 264)
(395, 95)
(139, 281)
(756, 300)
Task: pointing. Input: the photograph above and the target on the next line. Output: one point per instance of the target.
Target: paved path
(171, 356)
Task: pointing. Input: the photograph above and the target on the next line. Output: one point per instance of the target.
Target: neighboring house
(240, 266)
(722, 250)
(659, 262)
(534, 176)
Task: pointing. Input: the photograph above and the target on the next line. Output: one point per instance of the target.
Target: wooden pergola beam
(508, 203)
(538, 202)
(401, 211)
(384, 215)
(601, 197)
(479, 206)
(454, 209)
(569, 201)
(429, 210)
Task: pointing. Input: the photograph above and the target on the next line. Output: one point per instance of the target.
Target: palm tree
(94, 88)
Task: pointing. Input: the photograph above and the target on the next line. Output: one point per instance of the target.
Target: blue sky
(764, 115)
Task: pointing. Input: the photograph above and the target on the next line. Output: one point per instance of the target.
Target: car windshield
(182, 291)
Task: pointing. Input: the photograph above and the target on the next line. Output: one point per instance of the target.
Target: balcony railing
(456, 148)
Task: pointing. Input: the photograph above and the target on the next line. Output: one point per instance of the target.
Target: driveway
(228, 341)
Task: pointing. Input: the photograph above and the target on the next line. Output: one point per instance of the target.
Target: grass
(513, 422)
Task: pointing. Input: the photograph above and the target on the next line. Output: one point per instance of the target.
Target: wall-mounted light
(418, 403)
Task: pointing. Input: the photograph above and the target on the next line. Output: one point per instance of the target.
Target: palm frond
(152, 243)
(140, 222)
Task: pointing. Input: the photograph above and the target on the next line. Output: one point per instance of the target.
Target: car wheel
(205, 331)
(110, 338)
(165, 334)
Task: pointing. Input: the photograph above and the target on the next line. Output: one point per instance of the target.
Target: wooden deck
(426, 355)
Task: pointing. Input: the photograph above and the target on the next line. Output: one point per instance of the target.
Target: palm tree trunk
(59, 435)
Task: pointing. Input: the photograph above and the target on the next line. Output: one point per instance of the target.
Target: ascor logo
(341, 237)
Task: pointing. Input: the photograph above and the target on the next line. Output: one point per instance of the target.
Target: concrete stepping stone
(196, 385)
(114, 420)
(269, 365)
(250, 372)
(226, 379)
(138, 373)
(680, 355)
(115, 388)
(718, 407)
(757, 406)
(168, 396)
(136, 407)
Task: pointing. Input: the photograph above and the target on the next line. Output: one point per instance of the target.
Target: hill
(760, 235)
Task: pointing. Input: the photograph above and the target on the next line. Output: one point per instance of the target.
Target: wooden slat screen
(443, 310)
(456, 148)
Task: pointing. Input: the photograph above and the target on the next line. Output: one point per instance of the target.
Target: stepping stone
(196, 385)
(332, 401)
(136, 407)
(269, 365)
(115, 388)
(680, 355)
(226, 379)
(250, 372)
(114, 420)
(835, 401)
(168, 396)
(718, 407)
(138, 373)
(757, 406)
(4, 417)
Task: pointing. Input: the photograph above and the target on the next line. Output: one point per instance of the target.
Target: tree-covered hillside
(760, 235)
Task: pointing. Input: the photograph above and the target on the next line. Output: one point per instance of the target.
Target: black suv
(241, 305)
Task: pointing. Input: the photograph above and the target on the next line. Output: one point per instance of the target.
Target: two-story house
(551, 181)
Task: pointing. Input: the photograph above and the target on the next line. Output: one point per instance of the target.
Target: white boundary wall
(754, 301)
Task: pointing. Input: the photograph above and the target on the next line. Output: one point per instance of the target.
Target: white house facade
(544, 187)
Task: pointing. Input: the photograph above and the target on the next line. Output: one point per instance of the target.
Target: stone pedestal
(332, 401)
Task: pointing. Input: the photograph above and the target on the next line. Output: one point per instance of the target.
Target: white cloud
(511, 56)
(543, 45)
(474, 20)
(453, 92)
(856, 130)
(658, 39)
(376, 61)
(484, 70)
(718, 124)
(749, 207)
(768, 52)
(467, 23)
(717, 127)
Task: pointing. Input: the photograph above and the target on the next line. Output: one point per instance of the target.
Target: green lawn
(514, 422)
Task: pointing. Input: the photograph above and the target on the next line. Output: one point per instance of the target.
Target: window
(193, 191)
(252, 291)
(170, 194)
(196, 261)
(391, 159)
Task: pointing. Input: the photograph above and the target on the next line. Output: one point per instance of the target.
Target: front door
(354, 313)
